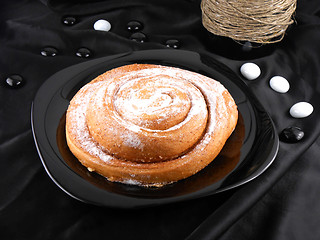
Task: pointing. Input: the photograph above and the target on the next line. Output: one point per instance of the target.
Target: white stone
(279, 84)
(250, 71)
(301, 110)
(102, 25)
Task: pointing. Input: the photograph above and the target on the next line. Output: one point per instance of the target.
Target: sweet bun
(149, 125)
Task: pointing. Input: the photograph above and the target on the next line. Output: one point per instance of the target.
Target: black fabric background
(282, 203)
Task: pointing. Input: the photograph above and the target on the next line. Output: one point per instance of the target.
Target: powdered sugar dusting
(78, 117)
(132, 182)
(132, 140)
(175, 81)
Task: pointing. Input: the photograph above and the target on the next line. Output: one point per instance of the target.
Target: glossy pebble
(14, 81)
(291, 134)
(69, 21)
(49, 52)
(173, 43)
(83, 53)
(250, 71)
(247, 47)
(279, 84)
(134, 26)
(102, 25)
(138, 37)
(301, 110)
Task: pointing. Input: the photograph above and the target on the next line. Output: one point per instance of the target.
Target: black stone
(291, 135)
(138, 37)
(14, 81)
(49, 52)
(247, 47)
(173, 43)
(83, 53)
(69, 21)
(134, 26)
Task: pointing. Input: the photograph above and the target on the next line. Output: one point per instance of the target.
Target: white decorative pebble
(250, 71)
(279, 84)
(301, 110)
(102, 25)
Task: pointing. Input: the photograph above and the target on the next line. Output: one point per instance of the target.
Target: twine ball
(258, 21)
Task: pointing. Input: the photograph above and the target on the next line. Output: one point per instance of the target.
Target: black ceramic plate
(249, 151)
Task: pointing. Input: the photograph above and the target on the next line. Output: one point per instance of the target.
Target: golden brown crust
(129, 138)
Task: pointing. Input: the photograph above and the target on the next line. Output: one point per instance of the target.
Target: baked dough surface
(149, 125)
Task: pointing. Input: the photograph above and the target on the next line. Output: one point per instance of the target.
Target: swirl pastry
(148, 124)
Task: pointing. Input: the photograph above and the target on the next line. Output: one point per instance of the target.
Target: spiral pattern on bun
(149, 124)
